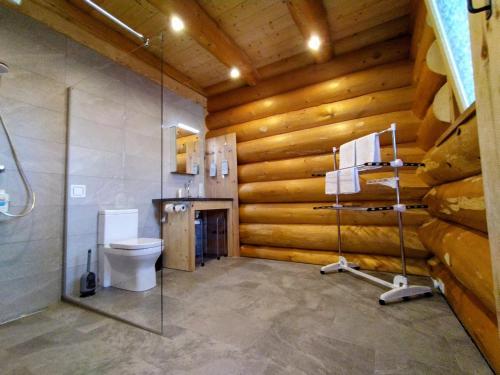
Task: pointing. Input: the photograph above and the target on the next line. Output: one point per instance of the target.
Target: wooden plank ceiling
(262, 37)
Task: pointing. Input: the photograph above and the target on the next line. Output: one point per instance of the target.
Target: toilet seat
(137, 244)
(132, 253)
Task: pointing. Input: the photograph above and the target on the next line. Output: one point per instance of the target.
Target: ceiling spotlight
(176, 23)
(314, 43)
(234, 73)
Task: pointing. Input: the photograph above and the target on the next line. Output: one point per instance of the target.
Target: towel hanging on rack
(368, 150)
(348, 181)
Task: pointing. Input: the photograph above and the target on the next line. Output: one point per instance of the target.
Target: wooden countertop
(192, 199)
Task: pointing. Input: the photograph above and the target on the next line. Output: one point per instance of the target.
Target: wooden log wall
(285, 132)
(457, 234)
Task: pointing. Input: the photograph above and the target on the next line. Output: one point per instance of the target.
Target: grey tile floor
(246, 316)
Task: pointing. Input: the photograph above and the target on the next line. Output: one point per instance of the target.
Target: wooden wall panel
(219, 149)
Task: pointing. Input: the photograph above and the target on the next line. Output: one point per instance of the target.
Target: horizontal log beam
(419, 20)
(311, 19)
(307, 166)
(370, 262)
(377, 240)
(313, 190)
(430, 130)
(384, 77)
(303, 213)
(454, 159)
(428, 38)
(371, 56)
(366, 105)
(461, 202)
(466, 253)
(479, 322)
(320, 140)
(202, 28)
(428, 85)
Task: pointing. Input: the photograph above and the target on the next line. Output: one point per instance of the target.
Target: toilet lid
(137, 243)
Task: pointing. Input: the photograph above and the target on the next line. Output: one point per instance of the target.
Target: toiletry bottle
(4, 201)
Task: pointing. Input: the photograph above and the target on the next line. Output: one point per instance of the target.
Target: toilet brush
(88, 280)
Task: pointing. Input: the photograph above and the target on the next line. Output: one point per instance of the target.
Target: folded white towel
(347, 155)
(368, 150)
(348, 181)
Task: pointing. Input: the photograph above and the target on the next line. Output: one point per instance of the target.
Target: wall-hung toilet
(126, 261)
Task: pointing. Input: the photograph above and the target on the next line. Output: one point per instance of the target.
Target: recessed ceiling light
(234, 73)
(176, 23)
(314, 43)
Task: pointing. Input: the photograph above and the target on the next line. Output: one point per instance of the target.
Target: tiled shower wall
(115, 150)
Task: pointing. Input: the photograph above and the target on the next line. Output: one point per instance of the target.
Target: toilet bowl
(130, 264)
(125, 260)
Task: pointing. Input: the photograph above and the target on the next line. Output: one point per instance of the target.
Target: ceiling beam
(202, 28)
(78, 25)
(310, 18)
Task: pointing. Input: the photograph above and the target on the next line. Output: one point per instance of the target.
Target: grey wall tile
(48, 187)
(100, 191)
(81, 219)
(28, 294)
(35, 155)
(77, 247)
(88, 162)
(33, 88)
(85, 133)
(29, 121)
(142, 168)
(32, 46)
(22, 259)
(43, 223)
(96, 108)
(145, 124)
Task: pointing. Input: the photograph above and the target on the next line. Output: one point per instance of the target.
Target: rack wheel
(428, 294)
(203, 264)
(381, 302)
(218, 258)
(322, 272)
(340, 270)
(406, 298)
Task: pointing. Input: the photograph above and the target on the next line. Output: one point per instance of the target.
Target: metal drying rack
(400, 289)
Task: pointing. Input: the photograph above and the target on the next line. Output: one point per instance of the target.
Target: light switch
(78, 191)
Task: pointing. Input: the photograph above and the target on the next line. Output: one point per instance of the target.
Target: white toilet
(126, 261)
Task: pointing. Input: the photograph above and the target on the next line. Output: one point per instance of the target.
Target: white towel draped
(348, 181)
(368, 150)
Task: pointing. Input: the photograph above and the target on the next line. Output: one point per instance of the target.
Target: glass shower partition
(114, 171)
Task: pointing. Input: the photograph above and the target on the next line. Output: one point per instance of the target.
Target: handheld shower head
(4, 68)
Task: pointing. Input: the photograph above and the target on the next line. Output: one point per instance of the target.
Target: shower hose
(27, 185)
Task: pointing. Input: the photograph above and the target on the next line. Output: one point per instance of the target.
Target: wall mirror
(185, 140)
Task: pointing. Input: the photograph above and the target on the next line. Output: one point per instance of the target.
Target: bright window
(452, 24)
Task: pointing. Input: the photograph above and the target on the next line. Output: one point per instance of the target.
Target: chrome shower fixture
(4, 68)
